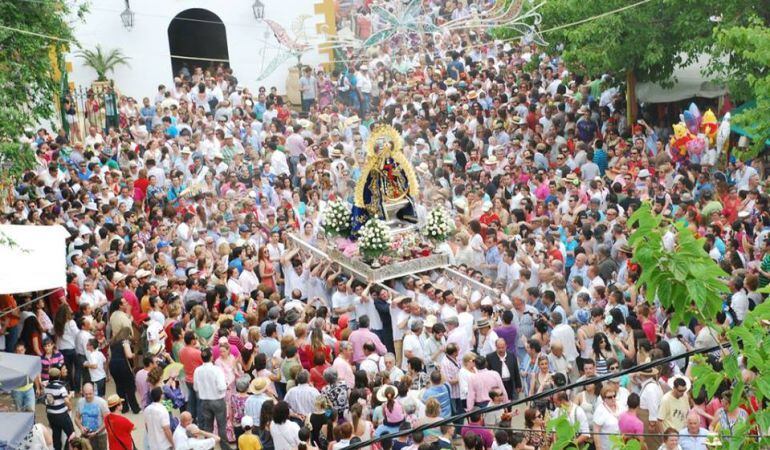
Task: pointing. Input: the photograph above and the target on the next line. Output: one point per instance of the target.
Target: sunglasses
(609, 397)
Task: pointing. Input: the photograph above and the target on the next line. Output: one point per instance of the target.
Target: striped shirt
(55, 398)
(55, 360)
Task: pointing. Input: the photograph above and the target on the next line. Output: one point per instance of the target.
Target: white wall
(250, 45)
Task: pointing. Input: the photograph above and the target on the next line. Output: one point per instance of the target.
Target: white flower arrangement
(336, 219)
(373, 238)
(437, 225)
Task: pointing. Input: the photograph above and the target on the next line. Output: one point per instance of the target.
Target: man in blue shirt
(170, 129)
(441, 392)
(600, 157)
(148, 112)
(693, 436)
(456, 67)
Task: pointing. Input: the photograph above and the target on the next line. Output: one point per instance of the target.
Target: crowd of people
(185, 293)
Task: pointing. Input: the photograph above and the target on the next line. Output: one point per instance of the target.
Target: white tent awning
(32, 258)
(689, 83)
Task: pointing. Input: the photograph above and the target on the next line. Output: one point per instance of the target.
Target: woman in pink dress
(231, 368)
(326, 90)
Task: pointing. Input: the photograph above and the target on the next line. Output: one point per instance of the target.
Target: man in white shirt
(342, 301)
(739, 301)
(412, 346)
(742, 174)
(458, 335)
(185, 435)
(649, 403)
(301, 397)
(157, 422)
(248, 279)
(209, 383)
(565, 335)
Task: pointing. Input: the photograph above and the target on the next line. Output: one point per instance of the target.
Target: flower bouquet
(437, 225)
(373, 239)
(336, 219)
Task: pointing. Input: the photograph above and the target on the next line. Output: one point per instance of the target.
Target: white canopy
(32, 258)
(688, 82)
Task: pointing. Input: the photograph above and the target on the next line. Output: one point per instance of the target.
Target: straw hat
(258, 385)
(114, 400)
(172, 370)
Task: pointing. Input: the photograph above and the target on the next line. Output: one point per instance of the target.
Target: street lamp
(127, 16)
(259, 10)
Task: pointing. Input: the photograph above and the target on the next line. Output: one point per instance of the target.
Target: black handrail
(453, 419)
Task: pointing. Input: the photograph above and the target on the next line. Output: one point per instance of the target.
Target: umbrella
(17, 370)
(15, 428)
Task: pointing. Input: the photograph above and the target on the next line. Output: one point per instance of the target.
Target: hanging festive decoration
(288, 47)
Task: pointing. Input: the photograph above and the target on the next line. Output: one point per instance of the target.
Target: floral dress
(230, 370)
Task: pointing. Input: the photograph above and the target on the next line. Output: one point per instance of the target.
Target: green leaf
(762, 384)
(738, 394)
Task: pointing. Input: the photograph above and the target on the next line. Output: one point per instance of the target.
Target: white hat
(91, 206)
(247, 422)
(117, 277)
(141, 273)
(363, 67)
(187, 150)
(644, 173)
(486, 207)
(218, 154)
(84, 230)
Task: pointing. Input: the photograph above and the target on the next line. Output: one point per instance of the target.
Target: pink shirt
(344, 371)
(630, 424)
(480, 385)
(360, 337)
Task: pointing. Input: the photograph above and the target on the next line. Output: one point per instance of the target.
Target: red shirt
(119, 431)
(190, 357)
(73, 295)
(317, 376)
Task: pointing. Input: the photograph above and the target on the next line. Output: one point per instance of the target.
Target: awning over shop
(15, 428)
(17, 370)
(736, 112)
(688, 82)
(32, 258)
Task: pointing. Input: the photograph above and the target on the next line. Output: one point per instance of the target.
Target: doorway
(197, 37)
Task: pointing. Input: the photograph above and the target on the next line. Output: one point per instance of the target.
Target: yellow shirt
(248, 441)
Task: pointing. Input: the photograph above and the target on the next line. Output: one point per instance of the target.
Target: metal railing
(452, 420)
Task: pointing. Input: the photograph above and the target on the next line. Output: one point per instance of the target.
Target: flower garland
(437, 225)
(336, 219)
(373, 239)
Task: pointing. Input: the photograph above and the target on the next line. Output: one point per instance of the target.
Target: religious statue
(388, 184)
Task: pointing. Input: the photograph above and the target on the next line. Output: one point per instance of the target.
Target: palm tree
(103, 61)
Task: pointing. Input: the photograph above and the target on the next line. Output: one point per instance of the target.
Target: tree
(103, 62)
(748, 54)
(28, 87)
(687, 282)
(642, 43)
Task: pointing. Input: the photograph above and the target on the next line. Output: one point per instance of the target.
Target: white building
(168, 33)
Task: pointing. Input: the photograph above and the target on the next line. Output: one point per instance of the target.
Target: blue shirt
(91, 414)
(253, 406)
(688, 442)
(600, 159)
(440, 393)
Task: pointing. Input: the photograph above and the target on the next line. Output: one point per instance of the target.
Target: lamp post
(259, 10)
(127, 16)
